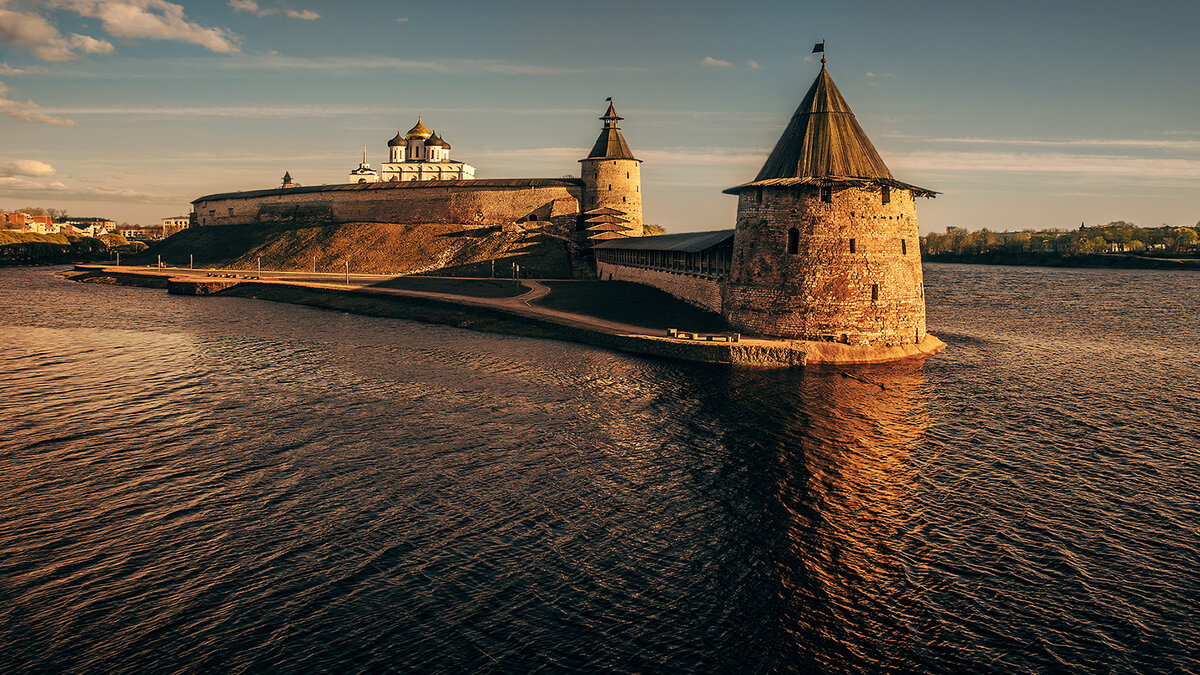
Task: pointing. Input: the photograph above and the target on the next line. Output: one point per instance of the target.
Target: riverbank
(1099, 260)
(516, 315)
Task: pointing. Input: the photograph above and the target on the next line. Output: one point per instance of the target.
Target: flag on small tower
(819, 47)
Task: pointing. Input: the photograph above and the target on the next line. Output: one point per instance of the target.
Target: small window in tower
(533, 217)
(852, 246)
(623, 199)
(904, 247)
(793, 242)
(827, 194)
(758, 195)
(887, 195)
(627, 174)
(874, 292)
(610, 186)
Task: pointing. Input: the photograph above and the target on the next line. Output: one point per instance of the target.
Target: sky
(1021, 114)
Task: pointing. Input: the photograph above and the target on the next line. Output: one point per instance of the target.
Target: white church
(420, 154)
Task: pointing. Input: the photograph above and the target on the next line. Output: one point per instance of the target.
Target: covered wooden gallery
(706, 254)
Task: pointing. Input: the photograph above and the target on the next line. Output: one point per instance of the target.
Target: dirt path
(521, 304)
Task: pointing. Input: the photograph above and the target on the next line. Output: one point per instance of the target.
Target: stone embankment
(517, 315)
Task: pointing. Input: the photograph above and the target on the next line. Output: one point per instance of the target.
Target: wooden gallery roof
(824, 145)
(687, 242)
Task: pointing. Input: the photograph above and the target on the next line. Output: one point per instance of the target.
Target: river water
(227, 485)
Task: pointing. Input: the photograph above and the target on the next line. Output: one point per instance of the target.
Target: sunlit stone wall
(699, 291)
(854, 275)
(481, 205)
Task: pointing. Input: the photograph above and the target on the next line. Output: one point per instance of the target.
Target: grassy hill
(370, 248)
(30, 248)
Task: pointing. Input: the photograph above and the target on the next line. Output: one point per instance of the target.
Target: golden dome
(418, 131)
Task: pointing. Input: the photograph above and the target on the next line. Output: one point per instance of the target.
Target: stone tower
(826, 246)
(611, 176)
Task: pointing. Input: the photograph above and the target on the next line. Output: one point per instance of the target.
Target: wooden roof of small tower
(610, 144)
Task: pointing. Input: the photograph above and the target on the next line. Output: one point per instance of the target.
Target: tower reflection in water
(834, 539)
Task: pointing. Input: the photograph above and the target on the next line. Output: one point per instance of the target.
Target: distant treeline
(1116, 237)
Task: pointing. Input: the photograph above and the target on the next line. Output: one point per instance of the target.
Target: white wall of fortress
(484, 205)
(702, 292)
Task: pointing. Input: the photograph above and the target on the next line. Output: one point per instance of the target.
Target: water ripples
(206, 484)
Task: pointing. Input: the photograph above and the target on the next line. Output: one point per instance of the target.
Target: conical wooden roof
(823, 139)
(611, 143)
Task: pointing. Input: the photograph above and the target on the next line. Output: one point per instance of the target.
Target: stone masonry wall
(855, 276)
(481, 206)
(617, 184)
(698, 291)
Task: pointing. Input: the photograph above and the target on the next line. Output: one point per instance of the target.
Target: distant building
(364, 173)
(98, 226)
(28, 223)
(175, 224)
(420, 154)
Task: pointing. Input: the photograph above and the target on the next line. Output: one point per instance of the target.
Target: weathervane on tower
(820, 47)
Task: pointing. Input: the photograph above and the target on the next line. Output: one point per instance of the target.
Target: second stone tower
(612, 179)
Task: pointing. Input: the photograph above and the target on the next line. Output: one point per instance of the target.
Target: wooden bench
(706, 337)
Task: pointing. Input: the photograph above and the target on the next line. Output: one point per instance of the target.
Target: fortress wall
(446, 204)
(698, 291)
(825, 291)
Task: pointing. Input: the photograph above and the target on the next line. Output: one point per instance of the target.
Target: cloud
(37, 35)
(284, 111)
(150, 20)
(258, 10)
(710, 62)
(304, 15)
(1049, 163)
(252, 7)
(403, 19)
(26, 167)
(24, 187)
(657, 156)
(6, 69)
(694, 158)
(28, 111)
(437, 66)
(1159, 144)
(752, 64)
(873, 78)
